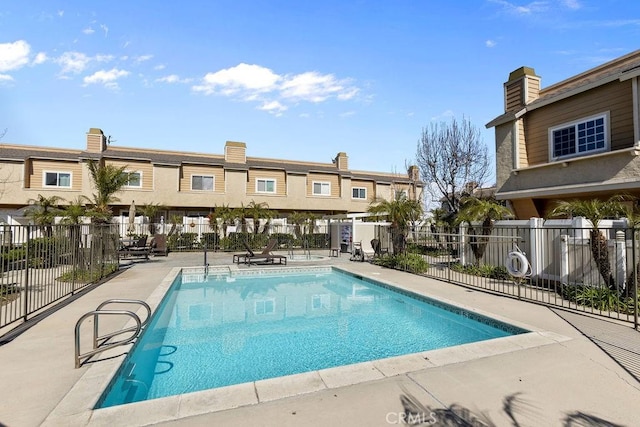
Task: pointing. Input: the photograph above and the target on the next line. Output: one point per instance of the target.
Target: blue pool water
(218, 331)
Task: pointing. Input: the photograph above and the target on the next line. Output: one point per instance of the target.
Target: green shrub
(490, 271)
(210, 240)
(599, 298)
(182, 241)
(411, 262)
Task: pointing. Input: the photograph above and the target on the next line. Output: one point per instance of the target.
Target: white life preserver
(517, 264)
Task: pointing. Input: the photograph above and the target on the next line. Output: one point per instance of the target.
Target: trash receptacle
(344, 247)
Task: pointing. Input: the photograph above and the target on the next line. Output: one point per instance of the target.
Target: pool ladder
(100, 343)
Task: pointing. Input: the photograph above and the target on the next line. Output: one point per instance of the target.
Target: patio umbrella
(132, 217)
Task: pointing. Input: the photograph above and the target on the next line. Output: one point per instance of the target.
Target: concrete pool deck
(553, 376)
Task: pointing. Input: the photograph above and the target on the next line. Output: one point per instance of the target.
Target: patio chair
(138, 248)
(377, 249)
(159, 245)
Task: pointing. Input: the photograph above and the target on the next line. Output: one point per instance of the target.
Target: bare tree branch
(452, 157)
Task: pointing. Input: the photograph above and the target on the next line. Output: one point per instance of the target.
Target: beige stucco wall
(504, 153)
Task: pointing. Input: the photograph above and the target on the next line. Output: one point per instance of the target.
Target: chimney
(414, 173)
(522, 88)
(342, 161)
(96, 141)
(235, 152)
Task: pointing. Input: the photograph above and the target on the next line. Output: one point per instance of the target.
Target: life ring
(517, 264)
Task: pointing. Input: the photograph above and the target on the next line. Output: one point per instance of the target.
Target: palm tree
(485, 211)
(151, 211)
(107, 180)
(595, 210)
(72, 214)
(44, 211)
(255, 211)
(298, 220)
(401, 212)
(226, 215)
(174, 220)
(241, 214)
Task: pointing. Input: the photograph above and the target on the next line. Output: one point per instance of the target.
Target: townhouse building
(576, 139)
(192, 184)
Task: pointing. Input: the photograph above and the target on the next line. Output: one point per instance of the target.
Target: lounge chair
(265, 256)
(159, 245)
(138, 248)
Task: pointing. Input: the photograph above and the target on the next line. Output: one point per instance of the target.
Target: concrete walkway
(557, 376)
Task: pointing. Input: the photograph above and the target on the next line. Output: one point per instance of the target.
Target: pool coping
(76, 408)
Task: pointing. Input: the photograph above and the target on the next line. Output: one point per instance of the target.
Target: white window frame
(58, 173)
(128, 185)
(264, 306)
(265, 180)
(574, 124)
(359, 190)
(323, 184)
(213, 182)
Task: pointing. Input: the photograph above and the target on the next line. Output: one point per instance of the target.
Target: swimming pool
(213, 331)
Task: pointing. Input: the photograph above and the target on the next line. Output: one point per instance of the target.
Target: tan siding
(523, 161)
(614, 97)
(188, 170)
(38, 167)
(279, 176)
(514, 95)
(363, 184)
(533, 89)
(145, 168)
(235, 154)
(333, 180)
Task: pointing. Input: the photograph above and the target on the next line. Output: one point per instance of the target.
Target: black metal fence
(596, 272)
(41, 265)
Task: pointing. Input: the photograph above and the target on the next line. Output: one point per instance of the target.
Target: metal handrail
(99, 341)
(104, 338)
(104, 347)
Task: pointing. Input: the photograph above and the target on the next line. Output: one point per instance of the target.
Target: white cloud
(273, 107)
(40, 58)
(239, 78)
(103, 58)
(14, 55)
(159, 67)
(347, 114)
(444, 116)
(528, 9)
(5, 78)
(61, 13)
(88, 31)
(105, 29)
(254, 83)
(73, 62)
(142, 58)
(572, 4)
(106, 78)
(490, 43)
(172, 78)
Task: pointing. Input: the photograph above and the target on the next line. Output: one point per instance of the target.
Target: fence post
(621, 259)
(462, 240)
(27, 257)
(537, 238)
(564, 259)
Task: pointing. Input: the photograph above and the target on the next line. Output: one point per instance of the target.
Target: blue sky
(299, 80)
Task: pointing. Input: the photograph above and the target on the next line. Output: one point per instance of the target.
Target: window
(322, 188)
(320, 301)
(265, 185)
(358, 193)
(266, 306)
(202, 182)
(135, 180)
(586, 136)
(57, 179)
(401, 194)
